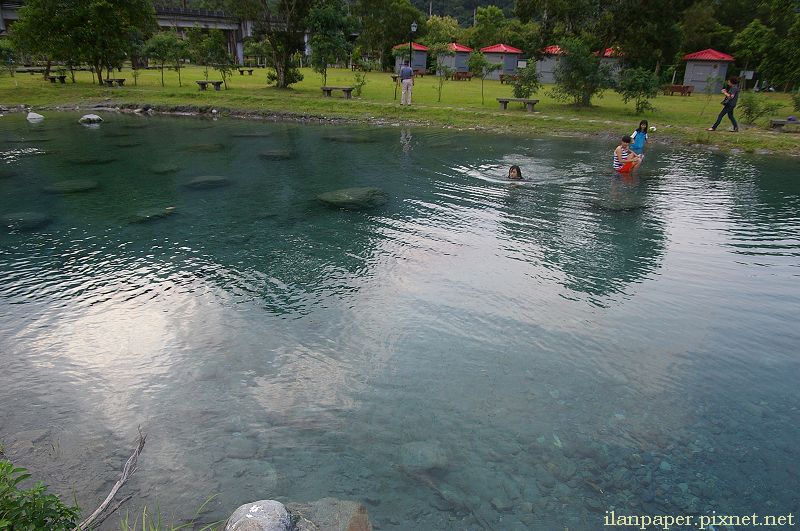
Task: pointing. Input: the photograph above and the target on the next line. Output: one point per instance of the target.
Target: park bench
(248, 70)
(529, 104)
(507, 78)
(110, 82)
(61, 79)
(778, 124)
(326, 91)
(461, 76)
(683, 90)
(204, 84)
(419, 72)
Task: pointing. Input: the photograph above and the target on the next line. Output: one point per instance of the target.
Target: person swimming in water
(514, 173)
(625, 160)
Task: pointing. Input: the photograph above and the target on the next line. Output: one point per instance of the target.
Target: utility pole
(430, 8)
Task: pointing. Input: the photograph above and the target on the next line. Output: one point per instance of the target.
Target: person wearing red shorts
(625, 160)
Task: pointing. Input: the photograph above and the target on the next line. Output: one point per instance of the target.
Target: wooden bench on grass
(326, 91)
(248, 70)
(778, 124)
(110, 82)
(61, 79)
(507, 78)
(204, 84)
(683, 90)
(529, 103)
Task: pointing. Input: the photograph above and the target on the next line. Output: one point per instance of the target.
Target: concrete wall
(546, 67)
(698, 72)
(508, 60)
(419, 62)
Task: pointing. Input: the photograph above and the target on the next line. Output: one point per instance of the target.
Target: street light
(410, 45)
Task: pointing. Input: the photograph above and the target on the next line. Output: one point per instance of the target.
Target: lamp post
(411, 45)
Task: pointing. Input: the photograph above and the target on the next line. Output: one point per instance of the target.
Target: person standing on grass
(731, 97)
(407, 80)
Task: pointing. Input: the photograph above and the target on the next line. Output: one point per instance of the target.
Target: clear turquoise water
(577, 344)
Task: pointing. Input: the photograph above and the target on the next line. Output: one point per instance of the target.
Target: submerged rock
(90, 119)
(134, 126)
(128, 144)
(164, 168)
(205, 148)
(26, 221)
(5, 173)
(330, 514)
(71, 186)
(423, 455)
(263, 515)
(351, 139)
(354, 198)
(34, 117)
(90, 161)
(252, 135)
(277, 154)
(207, 181)
(152, 214)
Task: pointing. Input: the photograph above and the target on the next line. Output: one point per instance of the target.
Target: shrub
(359, 80)
(639, 85)
(32, 508)
(580, 74)
(754, 106)
(527, 81)
(796, 100)
(292, 76)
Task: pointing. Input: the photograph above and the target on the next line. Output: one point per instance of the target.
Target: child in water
(639, 138)
(625, 160)
(515, 173)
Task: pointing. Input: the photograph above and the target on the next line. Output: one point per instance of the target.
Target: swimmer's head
(514, 172)
(626, 139)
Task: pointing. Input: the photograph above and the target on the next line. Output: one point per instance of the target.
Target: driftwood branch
(127, 471)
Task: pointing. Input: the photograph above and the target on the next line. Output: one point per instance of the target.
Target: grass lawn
(677, 118)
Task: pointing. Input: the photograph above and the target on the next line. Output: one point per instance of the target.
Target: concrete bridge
(167, 18)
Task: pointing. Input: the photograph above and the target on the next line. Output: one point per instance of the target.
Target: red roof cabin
(419, 60)
(706, 70)
(458, 61)
(505, 55)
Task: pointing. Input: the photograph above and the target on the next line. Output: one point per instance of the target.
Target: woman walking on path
(728, 104)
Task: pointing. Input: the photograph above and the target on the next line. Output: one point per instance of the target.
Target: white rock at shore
(90, 119)
(263, 515)
(34, 117)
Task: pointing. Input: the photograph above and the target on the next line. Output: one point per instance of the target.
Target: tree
(43, 30)
(489, 24)
(439, 51)
(481, 68)
(330, 26)
(702, 30)
(639, 85)
(7, 55)
(580, 74)
(106, 27)
(527, 81)
(385, 23)
(161, 48)
(179, 53)
(281, 24)
(215, 50)
(750, 44)
(442, 29)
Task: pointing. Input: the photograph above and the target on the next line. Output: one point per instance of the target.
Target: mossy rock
(277, 154)
(26, 221)
(351, 139)
(164, 168)
(207, 182)
(72, 186)
(354, 198)
(91, 161)
(205, 148)
(152, 214)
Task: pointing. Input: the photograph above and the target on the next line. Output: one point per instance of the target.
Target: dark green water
(576, 344)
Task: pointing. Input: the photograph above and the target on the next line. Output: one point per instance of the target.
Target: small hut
(613, 59)
(505, 55)
(706, 70)
(419, 60)
(546, 66)
(458, 61)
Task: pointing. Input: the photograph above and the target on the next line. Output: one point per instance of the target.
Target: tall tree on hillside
(330, 27)
(385, 23)
(281, 24)
(650, 35)
(580, 74)
(751, 44)
(702, 30)
(442, 29)
(489, 24)
(43, 31)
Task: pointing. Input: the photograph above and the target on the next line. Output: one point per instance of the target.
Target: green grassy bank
(677, 119)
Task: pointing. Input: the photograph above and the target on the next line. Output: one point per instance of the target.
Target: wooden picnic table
(683, 90)
(326, 91)
(110, 82)
(529, 103)
(203, 84)
(248, 70)
(507, 78)
(61, 79)
(461, 76)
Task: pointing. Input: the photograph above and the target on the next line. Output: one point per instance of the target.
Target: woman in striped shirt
(625, 160)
